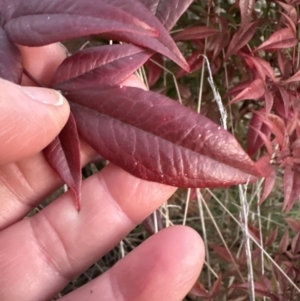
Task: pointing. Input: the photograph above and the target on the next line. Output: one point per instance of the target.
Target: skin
(41, 254)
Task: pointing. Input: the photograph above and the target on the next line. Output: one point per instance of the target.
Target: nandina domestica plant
(146, 133)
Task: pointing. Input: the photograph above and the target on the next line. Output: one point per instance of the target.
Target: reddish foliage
(134, 129)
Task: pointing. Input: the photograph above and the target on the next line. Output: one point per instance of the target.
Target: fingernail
(43, 95)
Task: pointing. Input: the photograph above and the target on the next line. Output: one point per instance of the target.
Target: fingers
(24, 113)
(42, 62)
(58, 243)
(163, 268)
(24, 184)
(30, 119)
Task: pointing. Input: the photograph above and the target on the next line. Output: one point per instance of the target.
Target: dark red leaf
(288, 183)
(291, 187)
(218, 42)
(7, 7)
(254, 141)
(290, 10)
(265, 139)
(275, 124)
(294, 78)
(223, 253)
(195, 61)
(240, 38)
(284, 64)
(238, 88)
(269, 101)
(254, 232)
(41, 22)
(284, 99)
(255, 90)
(261, 290)
(195, 33)
(271, 239)
(295, 244)
(263, 67)
(63, 155)
(154, 70)
(98, 66)
(263, 166)
(199, 290)
(284, 242)
(167, 12)
(288, 21)
(158, 139)
(163, 44)
(246, 8)
(282, 38)
(293, 223)
(216, 288)
(10, 59)
(149, 222)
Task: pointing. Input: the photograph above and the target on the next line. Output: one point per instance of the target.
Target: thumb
(30, 118)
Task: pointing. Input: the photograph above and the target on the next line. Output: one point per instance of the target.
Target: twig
(244, 223)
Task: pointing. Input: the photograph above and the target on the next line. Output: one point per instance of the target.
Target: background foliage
(253, 53)
(248, 51)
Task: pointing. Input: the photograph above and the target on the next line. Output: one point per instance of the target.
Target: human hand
(41, 254)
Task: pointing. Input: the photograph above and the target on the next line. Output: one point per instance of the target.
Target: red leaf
(284, 242)
(293, 78)
(269, 101)
(98, 66)
(195, 33)
(246, 8)
(216, 288)
(263, 67)
(218, 42)
(295, 244)
(285, 100)
(149, 222)
(254, 141)
(284, 64)
(195, 61)
(198, 290)
(240, 38)
(271, 239)
(275, 124)
(7, 7)
(45, 19)
(288, 183)
(63, 155)
(158, 139)
(290, 10)
(10, 60)
(255, 91)
(289, 22)
(40, 22)
(294, 224)
(265, 140)
(154, 70)
(167, 12)
(261, 290)
(223, 253)
(163, 44)
(291, 188)
(238, 88)
(263, 166)
(282, 38)
(268, 186)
